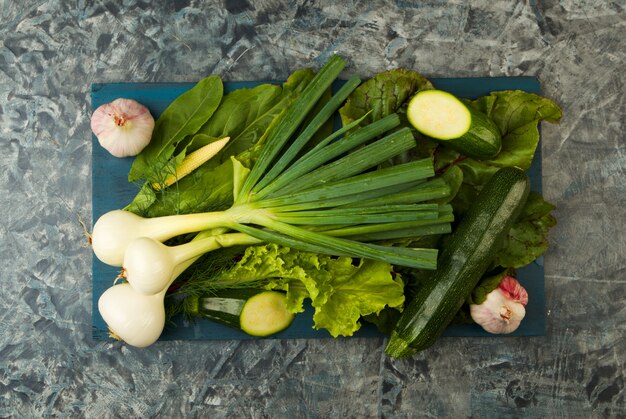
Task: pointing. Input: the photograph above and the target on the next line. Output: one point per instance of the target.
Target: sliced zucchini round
(444, 117)
(265, 313)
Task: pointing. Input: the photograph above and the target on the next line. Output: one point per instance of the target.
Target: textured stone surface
(50, 53)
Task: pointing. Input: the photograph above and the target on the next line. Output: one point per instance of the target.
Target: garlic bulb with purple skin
(123, 127)
(503, 309)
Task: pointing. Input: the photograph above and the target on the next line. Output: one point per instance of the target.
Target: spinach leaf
(240, 115)
(183, 117)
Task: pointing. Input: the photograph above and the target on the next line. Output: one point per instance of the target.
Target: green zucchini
(464, 258)
(256, 312)
(445, 118)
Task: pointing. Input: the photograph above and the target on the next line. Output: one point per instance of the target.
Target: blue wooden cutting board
(111, 190)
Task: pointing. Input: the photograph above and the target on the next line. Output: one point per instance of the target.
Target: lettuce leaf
(356, 291)
(340, 291)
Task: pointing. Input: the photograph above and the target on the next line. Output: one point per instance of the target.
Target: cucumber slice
(444, 117)
(256, 312)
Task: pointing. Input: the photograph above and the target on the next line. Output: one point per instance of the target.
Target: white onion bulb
(135, 318)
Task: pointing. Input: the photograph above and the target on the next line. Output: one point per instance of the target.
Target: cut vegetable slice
(443, 117)
(439, 115)
(265, 314)
(256, 312)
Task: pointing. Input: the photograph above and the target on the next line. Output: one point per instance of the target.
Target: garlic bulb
(123, 127)
(503, 309)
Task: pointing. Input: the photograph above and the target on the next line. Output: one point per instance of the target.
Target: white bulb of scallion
(135, 318)
(116, 229)
(150, 266)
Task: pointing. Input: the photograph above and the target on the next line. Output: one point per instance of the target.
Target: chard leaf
(385, 320)
(382, 95)
(486, 285)
(528, 237)
(386, 93)
(183, 117)
(453, 177)
(517, 114)
(512, 109)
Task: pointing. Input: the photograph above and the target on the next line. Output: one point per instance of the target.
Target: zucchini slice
(444, 117)
(256, 312)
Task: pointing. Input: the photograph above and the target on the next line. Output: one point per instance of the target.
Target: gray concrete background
(51, 52)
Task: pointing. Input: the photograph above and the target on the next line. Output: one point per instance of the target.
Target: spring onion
(305, 193)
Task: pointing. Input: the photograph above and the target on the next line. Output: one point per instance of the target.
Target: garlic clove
(123, 127)
(503, 309)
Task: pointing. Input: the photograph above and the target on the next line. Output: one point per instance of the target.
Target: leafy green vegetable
(301, 218)
(385, 320)
(517, 114)
(242, 110)
(340, 291)
(382, 95)
(183, 117)
(514, 109)
(356, 291)
(210, 186)
(528, 238)
(453, 176)
(486, 285)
